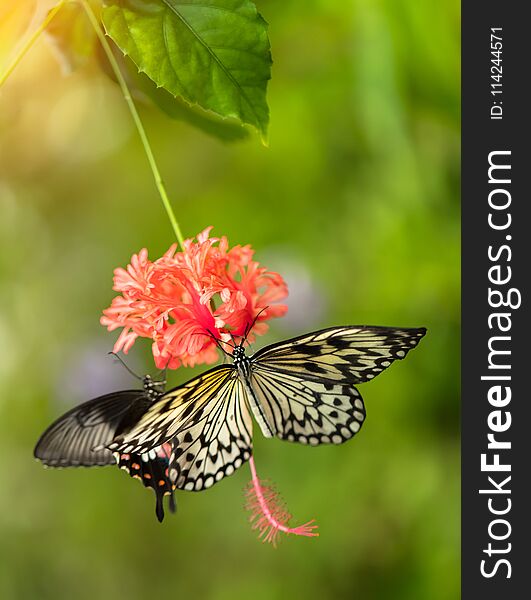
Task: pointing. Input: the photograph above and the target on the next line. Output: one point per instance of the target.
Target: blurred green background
(355, 202)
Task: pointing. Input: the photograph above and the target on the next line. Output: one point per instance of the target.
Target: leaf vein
(214, 56)
(218, 8)
(249, 52)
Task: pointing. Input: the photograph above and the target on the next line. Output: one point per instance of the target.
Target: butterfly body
(240, 360)
(242, 363)
(301, 390)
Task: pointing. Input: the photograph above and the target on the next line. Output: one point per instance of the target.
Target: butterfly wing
(80, 437)
(340, 354)
(152, 470)
(71, 440)
(208, 423)
(305, 410)
(305, 385)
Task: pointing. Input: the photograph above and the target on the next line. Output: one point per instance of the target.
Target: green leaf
(71, 36)
(227, 130)
(214, 53)
(144, 90)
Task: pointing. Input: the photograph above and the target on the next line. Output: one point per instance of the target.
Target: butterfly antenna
(126, 367)
(219, 342)
(230, 344)
(248, 329)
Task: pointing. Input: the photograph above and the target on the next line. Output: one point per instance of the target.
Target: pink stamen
(268, 512)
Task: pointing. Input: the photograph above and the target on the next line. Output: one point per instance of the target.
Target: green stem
(20, 55)
(136, 118)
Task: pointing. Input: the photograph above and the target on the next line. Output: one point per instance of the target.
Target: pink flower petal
(184, 299)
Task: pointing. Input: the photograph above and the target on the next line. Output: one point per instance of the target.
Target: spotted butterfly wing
(208, 423)
(305, 410)
(80, 436)
(348, 355)
(304, 386)
(300, 390)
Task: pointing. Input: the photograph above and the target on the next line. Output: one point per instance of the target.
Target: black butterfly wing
(152, 470)
(80, 436)
(349, 355)
(70, 440)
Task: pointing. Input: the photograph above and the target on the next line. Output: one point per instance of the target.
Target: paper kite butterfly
(300, 390)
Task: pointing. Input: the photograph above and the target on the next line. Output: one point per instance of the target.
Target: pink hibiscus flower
(185, 301)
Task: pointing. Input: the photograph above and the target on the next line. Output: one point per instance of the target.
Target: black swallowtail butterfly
(78, 439)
